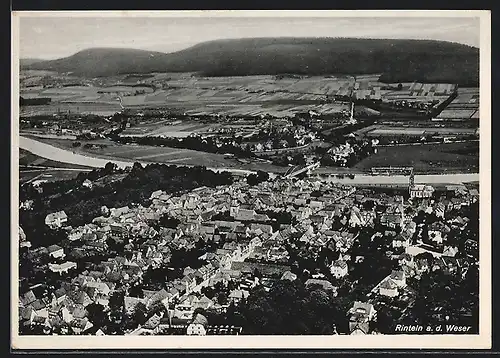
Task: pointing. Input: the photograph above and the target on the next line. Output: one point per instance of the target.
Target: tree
(169, 222)
(140, 314)
(96, 314)
(116, 300)
(252, 179)
(400, 87)
(110, 167)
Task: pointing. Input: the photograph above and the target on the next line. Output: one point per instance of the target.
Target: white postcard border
(481, 341)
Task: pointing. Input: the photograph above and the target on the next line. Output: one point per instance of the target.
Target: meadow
(427, 158)
(386, 130)
(142, 153)
(261, 95)
(464, 106)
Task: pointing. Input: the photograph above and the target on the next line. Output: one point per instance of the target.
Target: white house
(198, 326)
(87, 184)
(339, 268)
(56, 251)
(421, 191)
(62, 268)
(56, 220)
(388, 288)
(435, 236)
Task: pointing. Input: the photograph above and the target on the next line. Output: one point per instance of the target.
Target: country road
(62, 155)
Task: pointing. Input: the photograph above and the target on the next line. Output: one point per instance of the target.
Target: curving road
(62, 155)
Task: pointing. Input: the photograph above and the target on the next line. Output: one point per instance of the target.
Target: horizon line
(244, 38)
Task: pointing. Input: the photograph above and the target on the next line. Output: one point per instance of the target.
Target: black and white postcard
(251, 179)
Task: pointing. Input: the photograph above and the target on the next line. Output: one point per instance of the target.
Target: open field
(238, 96)
(169, 129)
(132, 152)
(46, 174)
(104, 109)
(378, 130)
(28, 159)
(450, 157)
(464, 106)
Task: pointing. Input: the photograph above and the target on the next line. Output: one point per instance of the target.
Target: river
(66, 156)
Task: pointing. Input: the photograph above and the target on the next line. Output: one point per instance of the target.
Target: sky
(56, 37)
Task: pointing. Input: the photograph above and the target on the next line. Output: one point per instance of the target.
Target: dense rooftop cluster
(205, 261)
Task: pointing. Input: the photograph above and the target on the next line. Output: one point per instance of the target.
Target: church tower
(412, 181)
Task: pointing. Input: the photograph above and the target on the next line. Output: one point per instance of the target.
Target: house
(289, 276)
(238, 295)
(184, 309)
(87, 184)
(440, 210)
(152, 325)
(62, 268)
(55, 251)
(391, 220)
(401, 240)
(355, 218)
(339, 268)
(75, 234)
(406, 259)
(365, 309)
(472, 248)
(27, 314)
(28, 298)
(398, 277)
(343, 240)
(324, 284)
(130, 303)
(361, 314)
(240, 214)
(437, 232)
(80, 325)
(56, 220)
(421, 191)
(224, 330)
(421, 266)
(58, 296)
(474, 194)
(117, 212)
(450, 251)
(388, 288)
(198, 326)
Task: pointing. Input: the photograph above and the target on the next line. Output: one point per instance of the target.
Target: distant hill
(28, 61)
(397, 60)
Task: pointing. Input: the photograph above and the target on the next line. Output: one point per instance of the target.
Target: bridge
(297, 170)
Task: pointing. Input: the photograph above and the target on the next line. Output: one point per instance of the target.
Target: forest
(397, 60)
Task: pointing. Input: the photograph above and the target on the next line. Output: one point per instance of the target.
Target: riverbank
(61, 155)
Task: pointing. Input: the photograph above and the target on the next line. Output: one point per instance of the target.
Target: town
(312, 176)
(208, 260)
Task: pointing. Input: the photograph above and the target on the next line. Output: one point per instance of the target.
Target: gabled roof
(327, 285)
(397, 275)
(340, 263)
(38, 305)
(362, 307)
(131, 302)
(79, 297)
(388, 285)
(200, 319)
(28, 297)
(54, 248)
